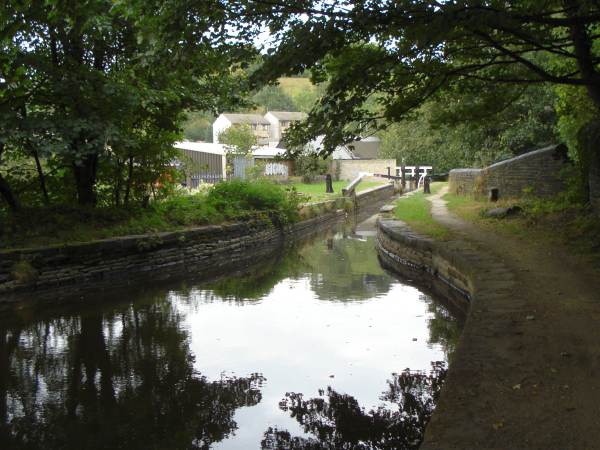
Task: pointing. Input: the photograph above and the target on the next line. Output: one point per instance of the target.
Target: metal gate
(240, 165)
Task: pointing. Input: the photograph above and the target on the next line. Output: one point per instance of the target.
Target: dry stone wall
(537, 172)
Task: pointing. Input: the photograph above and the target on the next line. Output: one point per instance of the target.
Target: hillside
(292, 94)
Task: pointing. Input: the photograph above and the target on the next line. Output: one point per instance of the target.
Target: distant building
(260, 126)
(201, 162)
(366, 148)
(280, 122)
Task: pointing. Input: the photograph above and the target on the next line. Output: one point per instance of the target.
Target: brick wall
(538, 171)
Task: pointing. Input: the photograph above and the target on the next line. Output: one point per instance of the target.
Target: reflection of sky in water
(298, 341)
(117, 371)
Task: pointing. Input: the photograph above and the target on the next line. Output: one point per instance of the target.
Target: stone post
(403, 175)
(426, 185)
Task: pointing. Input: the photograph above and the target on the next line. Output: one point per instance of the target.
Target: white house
(260, 126)
(280, 121)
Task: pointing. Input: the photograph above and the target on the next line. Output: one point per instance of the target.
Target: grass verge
(415, 210)
(562, 220)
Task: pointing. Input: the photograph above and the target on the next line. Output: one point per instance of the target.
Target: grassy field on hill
(295, 86)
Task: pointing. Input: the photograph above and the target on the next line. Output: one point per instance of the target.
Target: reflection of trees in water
(338, 269)
(258, 280)
(444, 326)
(345, 269)
(124, 379)
(338, 422)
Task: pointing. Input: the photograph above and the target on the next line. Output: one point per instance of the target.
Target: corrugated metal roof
(268, 152)
(246, 118)
(288, 115)
(204, 147)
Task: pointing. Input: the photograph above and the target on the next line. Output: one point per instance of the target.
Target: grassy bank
(230, 201)
(564, 219)
(415, 210)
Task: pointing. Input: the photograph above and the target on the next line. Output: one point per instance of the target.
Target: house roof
(203, 147)
(288, 115)
(340, 152)
(366, 148)
(267, 152)
(246, 118)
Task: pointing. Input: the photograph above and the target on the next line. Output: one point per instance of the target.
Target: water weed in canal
(308, 350)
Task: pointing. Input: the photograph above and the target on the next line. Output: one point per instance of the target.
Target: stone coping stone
(387, 209)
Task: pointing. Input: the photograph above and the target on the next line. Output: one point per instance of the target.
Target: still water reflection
(307, 352)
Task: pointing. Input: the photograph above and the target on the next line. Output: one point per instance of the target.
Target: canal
(317, 348)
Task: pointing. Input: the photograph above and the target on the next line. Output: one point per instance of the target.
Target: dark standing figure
(328, 184)
(426, 187)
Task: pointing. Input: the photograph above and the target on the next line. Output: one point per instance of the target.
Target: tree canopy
(405, 52)
(97, 88)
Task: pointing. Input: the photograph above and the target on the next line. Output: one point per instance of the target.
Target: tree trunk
(129, 180)
(5, 190)
(590, 133)
(118, 182)
(85, 179)
(594, 180)
(41, 176)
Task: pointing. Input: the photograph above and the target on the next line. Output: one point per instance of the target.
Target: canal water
(318, 348)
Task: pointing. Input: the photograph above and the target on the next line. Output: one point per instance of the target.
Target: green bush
(238, 197)
(309, 167)
(228, 201)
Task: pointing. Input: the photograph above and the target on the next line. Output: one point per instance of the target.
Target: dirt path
(526, 374)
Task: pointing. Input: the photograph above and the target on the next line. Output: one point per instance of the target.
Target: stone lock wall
(207, 251)
(537, 172)
(374, 195)
(349, 169)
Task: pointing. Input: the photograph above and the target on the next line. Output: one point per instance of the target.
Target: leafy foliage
(234, 200)
(238, 139)
(273, 98)
(198, 126)
(409, 51)
(309, 167)
(97, 90)
(453, 131)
